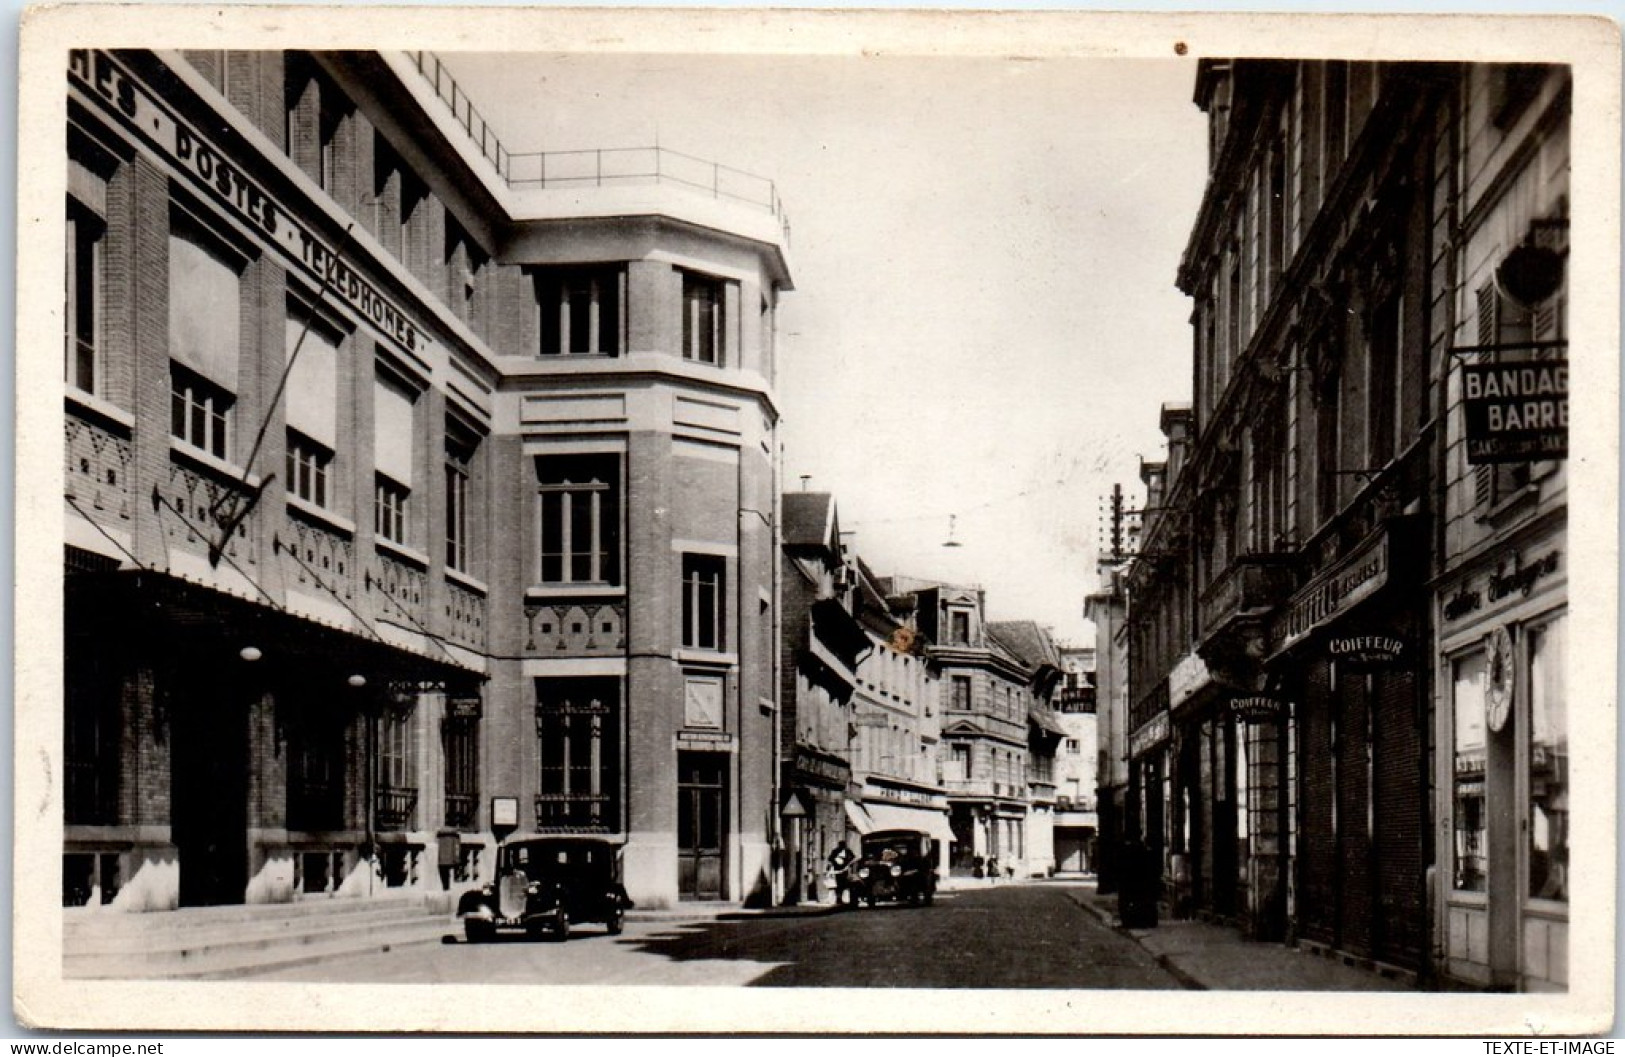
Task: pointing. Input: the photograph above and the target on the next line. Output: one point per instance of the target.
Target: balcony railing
(574, 813)
(462, 810)
(612, 167)
(395, 808)
(1252, 585)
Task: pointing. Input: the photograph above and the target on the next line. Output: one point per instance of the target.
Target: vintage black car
(896, 865)
(545, 885)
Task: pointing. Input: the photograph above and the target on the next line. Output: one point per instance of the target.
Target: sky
(984, 323)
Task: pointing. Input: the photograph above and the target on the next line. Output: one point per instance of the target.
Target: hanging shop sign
(1189, 676)
(463, 706)
(1257, 708)
(1516, 412)
(1367, 651)
(206, 167)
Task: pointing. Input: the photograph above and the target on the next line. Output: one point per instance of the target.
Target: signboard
(1367, 651)
(1149, 736)
(463, 706)
(206, 167)
(504, 816)
(1516, 412)
(1351, 582)
(1190, 675)
(1257, 708)
(1514, 575)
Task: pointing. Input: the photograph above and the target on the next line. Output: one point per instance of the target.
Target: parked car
(896, 865)
(544, 886)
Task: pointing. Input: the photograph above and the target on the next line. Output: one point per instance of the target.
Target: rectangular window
(307, 468)
(577, 741)
(389, 510)
(581, 312)
(580, 518)
(1471, 847)
(1548, 763)
(462, 748)
(961, 760)
(311, 347)
(84, 283)
(459, 455)
(704, 577)
(959, 627)
(961, 694)
(316, 767)
(1328, 437)
(397, 792)
(1382, 364)
(394, 437)
(199, 412)
(703, 322)
(205, 332)
(1336, 113)
(1501, 321)
(1073, 747)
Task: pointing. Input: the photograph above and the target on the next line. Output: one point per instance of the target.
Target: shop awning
(859, 818)
(896, 816)
(1046, 720)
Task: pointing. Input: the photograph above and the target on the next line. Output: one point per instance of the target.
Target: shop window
(1548, 763)
(579, 518)
(1471, 843)
(580, 311)
(704, 585)
(704, 323)
(577, 755)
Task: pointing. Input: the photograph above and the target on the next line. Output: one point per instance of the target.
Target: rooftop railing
(609, 167)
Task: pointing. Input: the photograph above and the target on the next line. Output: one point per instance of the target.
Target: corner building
(409, 480)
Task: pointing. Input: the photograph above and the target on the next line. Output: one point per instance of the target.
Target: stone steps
(221, 942)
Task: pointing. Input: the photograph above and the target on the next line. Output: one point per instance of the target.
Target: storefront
(1344, 653)
(894, 805)
(1502, 778)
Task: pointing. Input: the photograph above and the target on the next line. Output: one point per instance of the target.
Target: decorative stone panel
(465, 615)
(98, 470)
(565, 629)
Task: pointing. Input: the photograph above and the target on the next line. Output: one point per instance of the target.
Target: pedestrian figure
(840, 863)
(993, 868)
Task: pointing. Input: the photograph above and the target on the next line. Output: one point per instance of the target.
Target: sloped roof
(809, 520)
(1026, 641)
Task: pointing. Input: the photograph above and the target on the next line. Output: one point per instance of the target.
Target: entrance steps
(204, 943)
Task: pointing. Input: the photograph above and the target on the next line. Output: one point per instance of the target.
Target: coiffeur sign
(1516, 412)
(1367, 651)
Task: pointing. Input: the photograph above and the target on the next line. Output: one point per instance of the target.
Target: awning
(859, 818)
(895, 816)
(1046, 720)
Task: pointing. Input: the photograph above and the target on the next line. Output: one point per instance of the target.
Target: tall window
(960, 759)
(1336, 113)
(959, 627)
(312, 404)
(704, 577)
(1328, 440)
(84, 281)
(462, 748)
(703, 318)
(960, 701)
(394, 436)
(1471, 852)
(581, 311)
(1383, 390)
(397, 769)
(577, 755)
(1548, 762)
(205, 330)
(459, 457)
(580, 518)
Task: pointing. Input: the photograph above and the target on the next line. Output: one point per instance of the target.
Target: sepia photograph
(812, 521)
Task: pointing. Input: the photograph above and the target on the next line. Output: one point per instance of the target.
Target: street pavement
(1005, 936)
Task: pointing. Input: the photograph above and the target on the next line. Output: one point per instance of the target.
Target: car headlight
(864, 872)
(897, 871)
(533, 889)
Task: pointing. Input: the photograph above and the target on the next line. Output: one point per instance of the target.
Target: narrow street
(1015, 936)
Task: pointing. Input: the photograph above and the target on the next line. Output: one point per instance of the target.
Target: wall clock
(1498, 664)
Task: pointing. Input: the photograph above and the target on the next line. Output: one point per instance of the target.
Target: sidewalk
(1208, 957)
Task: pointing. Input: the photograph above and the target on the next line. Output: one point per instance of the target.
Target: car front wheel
(561, 925)
(617, 920)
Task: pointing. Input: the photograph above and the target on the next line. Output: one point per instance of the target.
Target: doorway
(702, 824)
(209, 786)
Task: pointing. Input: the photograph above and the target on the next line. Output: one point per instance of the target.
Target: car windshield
(890, 848)
(548, 860)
